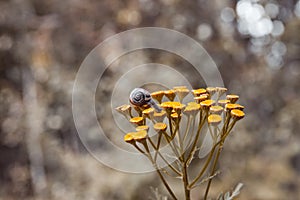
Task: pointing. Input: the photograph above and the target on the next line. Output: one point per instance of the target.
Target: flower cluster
(181, 127)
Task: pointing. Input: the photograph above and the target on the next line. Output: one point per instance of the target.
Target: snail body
(140, 97)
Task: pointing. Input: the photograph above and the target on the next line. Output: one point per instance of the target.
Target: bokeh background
(255, 44)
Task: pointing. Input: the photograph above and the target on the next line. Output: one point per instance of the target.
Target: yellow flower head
(223, 102)
(159, 116)
(211, 90)
(170, 105)
(207, 103)
(231, 106)
(216, 109)
(138, 121)
(124, 109)
(160, 126)
(140, 135)
(178, 107)
(148, 112)
(170, 94)
(142, 128)
(237, 114)
(128, 137)
(158, 95)
(199, 91)
(221, 90)
(192, 109)
(214, 119)
(181, 93)
(232, 98)
(135, 136)
(201, 98)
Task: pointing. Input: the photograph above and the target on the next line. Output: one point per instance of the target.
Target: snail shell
(140, 97)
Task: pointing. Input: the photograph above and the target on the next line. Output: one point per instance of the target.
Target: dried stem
(213, 168)
(163, 158)
(158, 171)
(185, 182)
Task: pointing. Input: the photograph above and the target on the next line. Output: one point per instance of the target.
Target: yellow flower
(214, 119)
(142, 128)
(170, 94)
(211, 90)
(221, 90)
(128, 137)
(138, 136)
(201, 98)
(178, 107)
(159, 117)
(137, 121)
(237, 114)
(231, 106)
(207, 103)
(181, 93)
(160, 126)
(198, 92)
(232, 98)
(148, 112)
(124, 109)
(170, 105)
(192, 109)
(216, 109)
(223, 102)
(158, 95)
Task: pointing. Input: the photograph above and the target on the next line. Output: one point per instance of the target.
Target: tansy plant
(181, 130)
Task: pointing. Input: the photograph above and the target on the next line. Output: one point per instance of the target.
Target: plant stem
(165, 182)
(188, 143)
(172, 144)
(214, 168)
(157, 146)
(187, 128)
(163, 158)
(205, 165)
(158, 171)
(225, 133)
(196, 138)
(185, 182)
(170, 125)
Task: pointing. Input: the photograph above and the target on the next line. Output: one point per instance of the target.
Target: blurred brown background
(255, 44)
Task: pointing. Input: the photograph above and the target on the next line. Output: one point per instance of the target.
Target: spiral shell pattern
(140, 97)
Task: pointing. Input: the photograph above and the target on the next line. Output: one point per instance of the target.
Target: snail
(140, 97)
